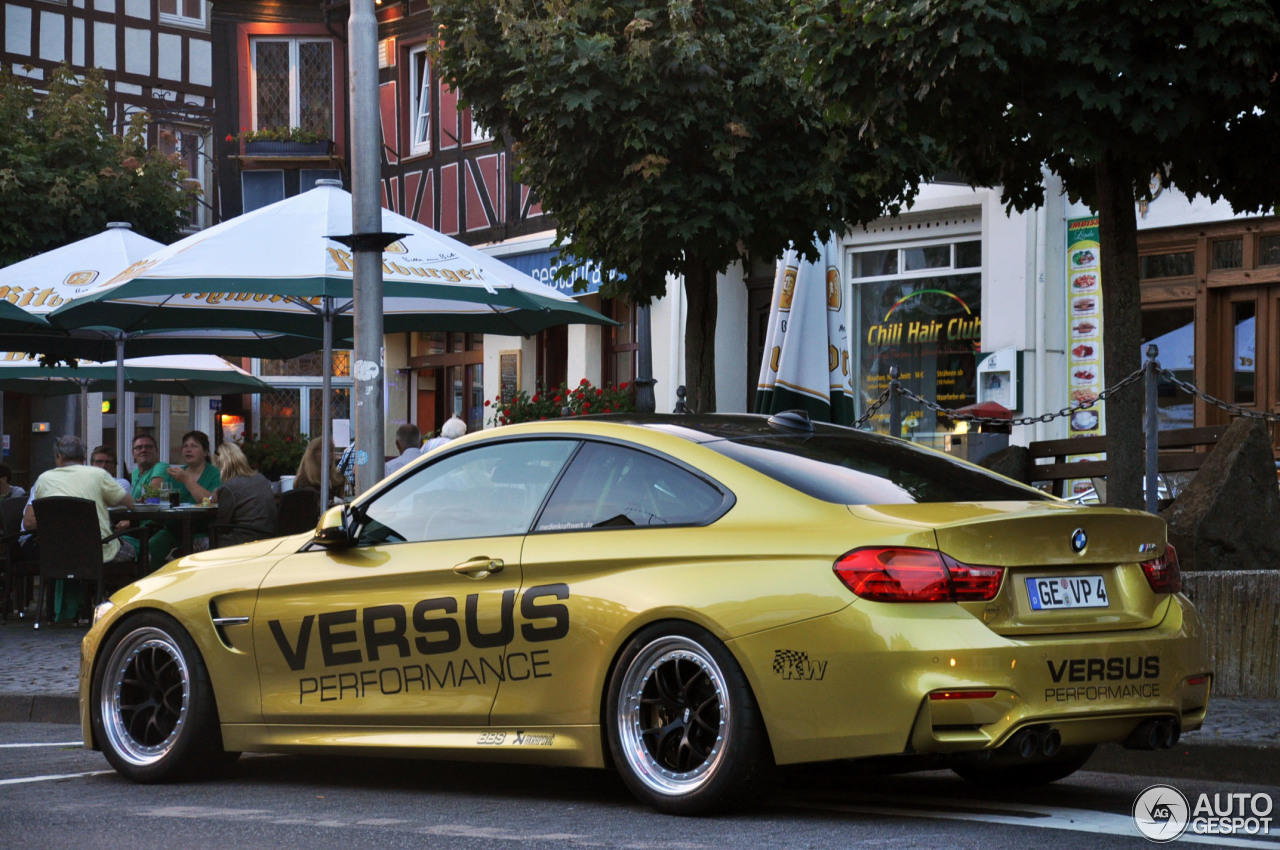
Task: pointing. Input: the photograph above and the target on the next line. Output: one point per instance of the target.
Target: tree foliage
(669, 138)
(1107, 95)
(64, 174)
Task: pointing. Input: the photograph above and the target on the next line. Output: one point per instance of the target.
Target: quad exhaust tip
(1036, 742)
(1154, 735)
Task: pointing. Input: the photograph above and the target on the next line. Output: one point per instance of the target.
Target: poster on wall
(931, 329)
(1084, 335)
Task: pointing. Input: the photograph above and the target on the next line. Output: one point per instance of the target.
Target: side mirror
(331, 531)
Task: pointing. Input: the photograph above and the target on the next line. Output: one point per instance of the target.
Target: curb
(1204, 761)
(39, 708)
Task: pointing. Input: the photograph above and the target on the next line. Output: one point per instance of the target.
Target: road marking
(54, 744)
(1020, 814)
(53, 777)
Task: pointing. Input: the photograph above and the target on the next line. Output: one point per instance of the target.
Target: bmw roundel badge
(1079, 540)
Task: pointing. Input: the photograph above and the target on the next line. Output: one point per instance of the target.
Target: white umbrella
(284, 267)
(37, 286)
(806, 354)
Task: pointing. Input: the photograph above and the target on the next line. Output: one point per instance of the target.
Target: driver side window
(488, 491)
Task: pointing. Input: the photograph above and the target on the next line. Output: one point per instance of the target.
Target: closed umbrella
(281, 267)
(806, 356)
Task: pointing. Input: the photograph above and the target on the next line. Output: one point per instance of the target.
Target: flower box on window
(286, 147)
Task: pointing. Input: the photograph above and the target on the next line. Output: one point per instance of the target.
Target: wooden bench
(1180, 450)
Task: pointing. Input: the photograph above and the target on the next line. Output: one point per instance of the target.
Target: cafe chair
(18, 570)
(298, 511)
(70, 547)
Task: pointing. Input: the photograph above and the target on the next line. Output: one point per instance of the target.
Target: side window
(487, 491)
(609, 486)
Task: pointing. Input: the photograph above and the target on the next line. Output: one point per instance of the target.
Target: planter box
(267, 147)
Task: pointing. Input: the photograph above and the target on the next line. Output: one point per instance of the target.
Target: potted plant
(275, 456)
(555, 402)
(283, 141)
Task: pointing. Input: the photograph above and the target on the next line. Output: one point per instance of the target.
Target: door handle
(480, 567)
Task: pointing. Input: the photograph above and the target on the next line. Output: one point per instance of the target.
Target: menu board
(1084, 335)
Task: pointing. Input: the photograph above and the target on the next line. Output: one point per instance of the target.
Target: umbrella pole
(326, 426)
(84, 416)
(120, 435)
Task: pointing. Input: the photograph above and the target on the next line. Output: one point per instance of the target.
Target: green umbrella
(175, 374)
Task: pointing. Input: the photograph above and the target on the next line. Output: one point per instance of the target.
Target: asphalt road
(54, 794)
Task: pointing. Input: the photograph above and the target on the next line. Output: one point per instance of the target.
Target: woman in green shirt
(194, 481)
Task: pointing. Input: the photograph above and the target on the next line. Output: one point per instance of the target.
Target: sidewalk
(1240, 741)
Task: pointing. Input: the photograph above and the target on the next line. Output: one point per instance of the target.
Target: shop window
(1172, 264)
(926, 320)
(1172, 331)
(261, 188)
(1228, 253)
(307, 366)
(293, 84)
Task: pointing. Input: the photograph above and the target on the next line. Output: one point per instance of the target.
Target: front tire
(683, 726)
(152, 705)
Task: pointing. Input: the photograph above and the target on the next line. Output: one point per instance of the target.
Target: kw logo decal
(792, 664)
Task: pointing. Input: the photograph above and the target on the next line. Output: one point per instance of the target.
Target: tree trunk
(1122, 329)
(700, 335)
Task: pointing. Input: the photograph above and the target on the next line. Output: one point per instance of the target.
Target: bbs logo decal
(793, 664)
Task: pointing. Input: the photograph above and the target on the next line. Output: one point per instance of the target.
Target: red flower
(230, 138)
(534, 399)
(599, 391)
(555, 400)
(586, 405)
(623, 385)
(486, 402)
(583, 382)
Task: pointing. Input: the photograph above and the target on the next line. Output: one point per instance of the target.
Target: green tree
(665, 138)
(64, 174)
(1106, 95)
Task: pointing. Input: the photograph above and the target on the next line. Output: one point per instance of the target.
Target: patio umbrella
(281, 267)
(36, 286)
(174, 374)
(806, 354)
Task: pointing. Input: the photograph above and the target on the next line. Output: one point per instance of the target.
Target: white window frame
(295, 117)
(420, 90)
(479, 134)
(185, 20)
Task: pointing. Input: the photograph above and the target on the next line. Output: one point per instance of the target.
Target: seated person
(194, 481)
(71, 477)
(244, 500)
(104, 457)
(146, 465)
(308, 477)
(8, 489)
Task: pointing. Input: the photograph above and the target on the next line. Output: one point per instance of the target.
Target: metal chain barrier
(1024, 420)
(1217, 402)
(870, 411)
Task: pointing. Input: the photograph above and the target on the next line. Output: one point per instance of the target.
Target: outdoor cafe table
(187, 515)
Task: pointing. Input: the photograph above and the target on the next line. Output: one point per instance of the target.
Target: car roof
(708, 427)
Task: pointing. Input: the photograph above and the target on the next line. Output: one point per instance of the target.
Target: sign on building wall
(543, 265)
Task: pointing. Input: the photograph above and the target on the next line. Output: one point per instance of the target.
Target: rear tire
(152, 705)
(683, 726)
(1066, 762)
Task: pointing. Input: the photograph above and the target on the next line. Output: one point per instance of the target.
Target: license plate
(1055, 592)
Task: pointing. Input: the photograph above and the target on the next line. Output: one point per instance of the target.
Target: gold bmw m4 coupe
(690, 600)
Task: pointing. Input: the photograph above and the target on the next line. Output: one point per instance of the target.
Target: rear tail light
(1163, 573)
(900, 574)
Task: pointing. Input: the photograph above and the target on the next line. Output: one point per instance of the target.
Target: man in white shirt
(408, 443)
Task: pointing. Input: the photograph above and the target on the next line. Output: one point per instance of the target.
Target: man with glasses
(146, 465)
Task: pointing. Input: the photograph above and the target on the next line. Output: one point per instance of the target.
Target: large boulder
(1012, 462)
(1228, 517)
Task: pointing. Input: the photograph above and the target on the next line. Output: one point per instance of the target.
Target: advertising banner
(1084, 335)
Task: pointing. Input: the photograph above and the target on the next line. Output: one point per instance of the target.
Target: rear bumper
(866, 680)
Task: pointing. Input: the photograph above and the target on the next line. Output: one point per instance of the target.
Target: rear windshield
(865, 469)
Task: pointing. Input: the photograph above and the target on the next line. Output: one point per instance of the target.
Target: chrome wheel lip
(111, 696)
(641, 760)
